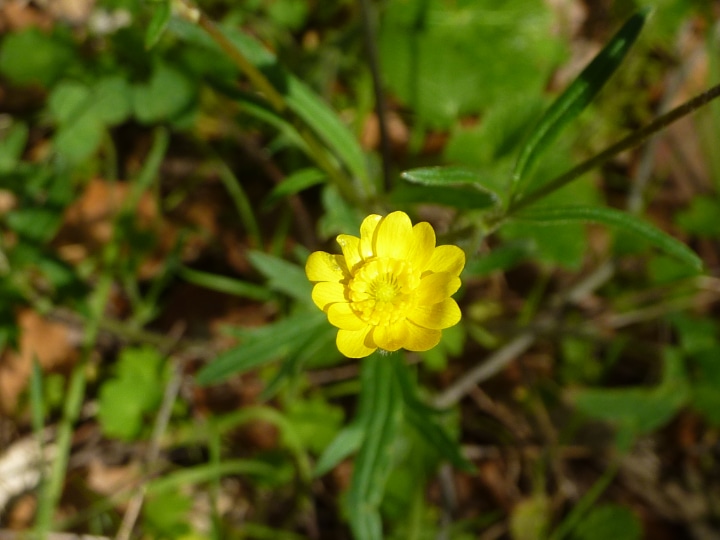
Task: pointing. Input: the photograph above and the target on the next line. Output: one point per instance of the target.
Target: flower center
(381, 290)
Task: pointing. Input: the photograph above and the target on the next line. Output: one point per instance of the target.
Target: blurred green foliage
(148, 93)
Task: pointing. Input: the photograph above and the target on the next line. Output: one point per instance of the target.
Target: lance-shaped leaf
(576, 97)
(380, 416)
(460, 187)
(616, 218)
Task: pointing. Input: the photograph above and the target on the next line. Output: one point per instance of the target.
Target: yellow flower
(390, 288)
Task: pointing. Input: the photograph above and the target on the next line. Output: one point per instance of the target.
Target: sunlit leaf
(577, 96)
(616, 218)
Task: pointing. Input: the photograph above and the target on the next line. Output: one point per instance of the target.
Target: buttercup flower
(390, 288)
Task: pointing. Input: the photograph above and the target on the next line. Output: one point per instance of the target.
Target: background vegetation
(165, 172)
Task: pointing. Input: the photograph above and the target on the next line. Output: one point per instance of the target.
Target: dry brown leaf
(53, 344)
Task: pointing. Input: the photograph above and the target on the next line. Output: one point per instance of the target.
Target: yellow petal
(322, 266)
(436, 316)
(342, 316)
(435, 288)
(326, 293)
(422, 246)
(391, 337)
(355, 343)
(447, 259)
(421, 339)
(351, 249)
(367, 235)
(394, 236)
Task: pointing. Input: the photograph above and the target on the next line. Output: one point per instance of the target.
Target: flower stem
(630, 141)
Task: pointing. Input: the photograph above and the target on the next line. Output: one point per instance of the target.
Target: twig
(628, 142)
(483, 371)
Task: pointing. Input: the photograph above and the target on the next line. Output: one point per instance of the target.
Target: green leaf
(617, 218)
(424, 419)
(609, 521)
(374, 460)
(445, 59)
(530, 518)
(165, 96)
(346, 442)
(161, 16)
(500, 259)
(706, 381)
(454, 186)
(34, 223)
(166, 516)
(225, 284)
(283, 276)
(295, 183)
(261, 346)
(135, 390)
(315, 421)
(577, 96)
(701, 218)
(307, 105)
(636, 411)
(12, 146)
(33, 57)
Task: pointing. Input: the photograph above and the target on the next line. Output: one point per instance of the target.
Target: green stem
(628, 142)
(277, 100)
(71, 412)
(196, 16)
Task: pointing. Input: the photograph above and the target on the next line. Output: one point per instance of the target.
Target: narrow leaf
(158, 23)
(295, 183)
(374, 460)
(424, 419)
(283, 276)
(262, 346)
(464, 185)
(225, 284)
(617, 218)
(346, 442)
(577, 96)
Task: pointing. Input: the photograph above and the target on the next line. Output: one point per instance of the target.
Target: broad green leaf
(111, 100)
(530, 518)
(701, 218)
(636, 411)
(445, 59)
(315, 421)
(34, 223)
(165, 96)
(166, 516)
(136, 389)
(33, 57)
(12, 146)
(295, 183)
(346, 442)
(373, 463)
(225, 284)
(161, 16)
(609, 521)
(617, 218)
(576, 97)
(283, 276)
(261, 346)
